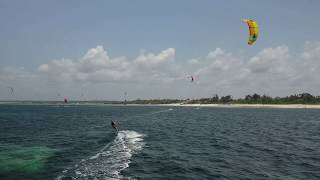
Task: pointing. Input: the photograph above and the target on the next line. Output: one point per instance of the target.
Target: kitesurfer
(113, 124)
(191, 78)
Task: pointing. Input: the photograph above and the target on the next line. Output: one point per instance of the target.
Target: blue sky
(36, 32)
(45, 30)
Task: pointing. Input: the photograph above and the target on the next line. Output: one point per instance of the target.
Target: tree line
(303, 98)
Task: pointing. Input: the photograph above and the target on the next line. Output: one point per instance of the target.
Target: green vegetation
(304, 98)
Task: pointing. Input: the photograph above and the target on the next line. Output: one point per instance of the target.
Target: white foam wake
(110, 161)
(161, 111)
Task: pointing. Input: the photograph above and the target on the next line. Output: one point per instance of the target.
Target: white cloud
(97, 66)
(273, 70)
(13, 73)
(152, 60)
(270, 60)
(194, 61)
(43, 68)
(216, 53)
(218, 68)
(311, 50)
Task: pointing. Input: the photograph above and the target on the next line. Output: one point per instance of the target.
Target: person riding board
(113, 124)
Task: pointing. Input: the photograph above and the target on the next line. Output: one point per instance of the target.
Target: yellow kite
(253, 30)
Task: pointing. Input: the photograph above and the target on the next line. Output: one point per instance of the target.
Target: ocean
(57, 142)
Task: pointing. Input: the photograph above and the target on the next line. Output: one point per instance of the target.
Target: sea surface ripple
(77, 142)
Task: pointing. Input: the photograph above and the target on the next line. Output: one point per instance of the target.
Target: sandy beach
(283, 106)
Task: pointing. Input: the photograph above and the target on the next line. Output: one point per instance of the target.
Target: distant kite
(253, 30)
(11, 89)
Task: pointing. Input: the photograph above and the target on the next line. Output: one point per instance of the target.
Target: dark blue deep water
(77, 142)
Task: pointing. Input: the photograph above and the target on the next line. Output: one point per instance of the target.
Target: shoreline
(277, 106)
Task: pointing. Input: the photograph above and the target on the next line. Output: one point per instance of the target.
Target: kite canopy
(11, 89)
(253, 30)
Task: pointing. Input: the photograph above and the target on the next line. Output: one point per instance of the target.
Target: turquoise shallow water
(77, 142)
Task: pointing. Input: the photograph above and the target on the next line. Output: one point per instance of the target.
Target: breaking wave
(110, 160)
